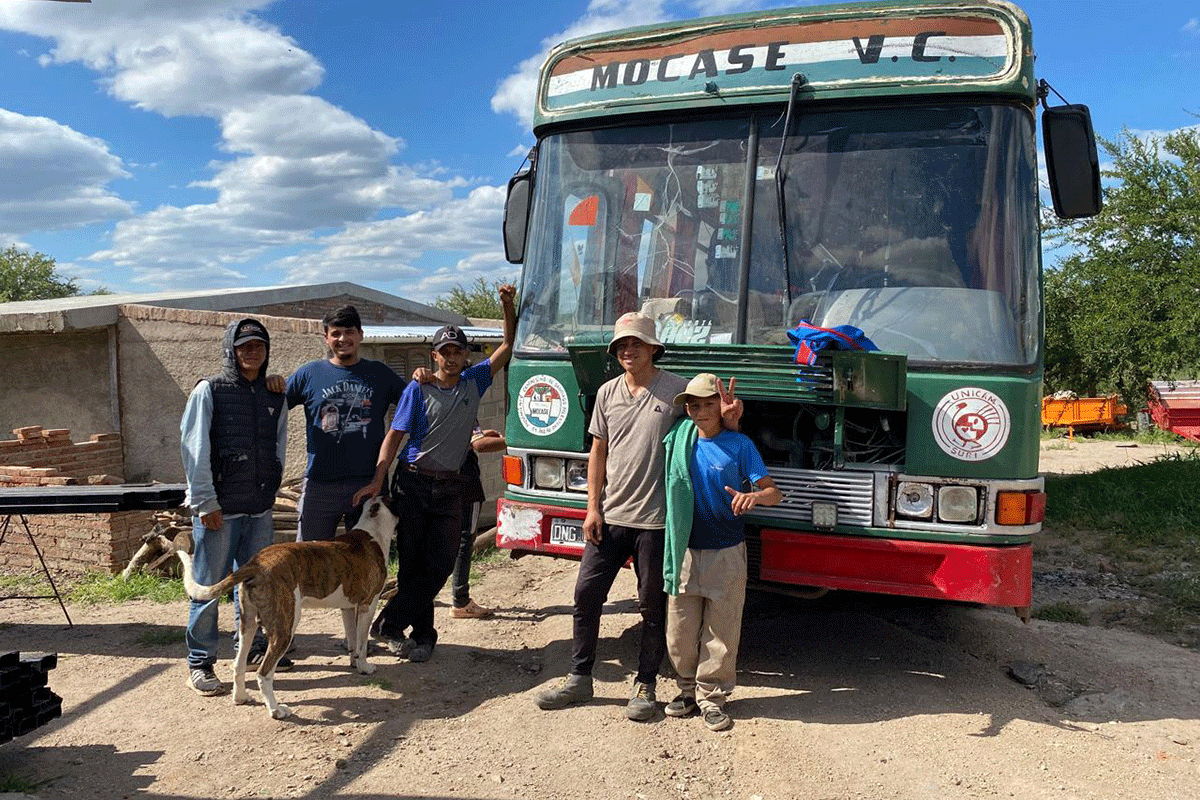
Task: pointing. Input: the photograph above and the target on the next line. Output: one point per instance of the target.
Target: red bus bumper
(988, 574)
(995, 576)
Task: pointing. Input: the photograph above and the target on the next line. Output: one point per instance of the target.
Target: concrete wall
(57, 380)
(164, 351)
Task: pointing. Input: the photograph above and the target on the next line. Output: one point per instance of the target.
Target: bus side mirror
(1071, 161)
(516, 215)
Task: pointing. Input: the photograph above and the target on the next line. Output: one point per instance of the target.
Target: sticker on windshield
(971, 424)
(542, 405)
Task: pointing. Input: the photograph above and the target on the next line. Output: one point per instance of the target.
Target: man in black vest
(233, 441)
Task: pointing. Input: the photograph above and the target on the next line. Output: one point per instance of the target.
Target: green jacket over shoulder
(680, 442)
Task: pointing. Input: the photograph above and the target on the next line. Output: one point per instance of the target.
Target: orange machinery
(1083, 413)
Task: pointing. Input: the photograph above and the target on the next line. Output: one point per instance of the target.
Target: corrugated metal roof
(417, 334)
(89, 311)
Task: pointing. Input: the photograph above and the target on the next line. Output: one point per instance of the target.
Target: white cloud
(53, 177)
(516, 93)
(384, 251)
(1192, 26)
(296, 163)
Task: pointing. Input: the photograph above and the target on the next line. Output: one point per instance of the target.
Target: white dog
(347, 572)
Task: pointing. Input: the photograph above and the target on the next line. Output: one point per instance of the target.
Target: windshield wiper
(798, 80)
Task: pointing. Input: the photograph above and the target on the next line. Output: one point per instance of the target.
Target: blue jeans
(214, 555)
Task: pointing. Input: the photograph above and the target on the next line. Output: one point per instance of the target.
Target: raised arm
(503, 352)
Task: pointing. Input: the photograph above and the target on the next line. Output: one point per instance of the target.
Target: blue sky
(162, 144)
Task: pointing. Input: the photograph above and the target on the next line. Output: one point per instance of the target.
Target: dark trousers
(597, 571)
(430, 522)
(461, 580)
(326, 504)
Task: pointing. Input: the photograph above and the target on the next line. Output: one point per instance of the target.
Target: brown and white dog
(347, 572)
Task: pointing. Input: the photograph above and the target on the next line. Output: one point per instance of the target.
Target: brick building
(116, 370)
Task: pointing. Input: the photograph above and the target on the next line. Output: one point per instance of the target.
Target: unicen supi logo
(971, 424)
(542, 405)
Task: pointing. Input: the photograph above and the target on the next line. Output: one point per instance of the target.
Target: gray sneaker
(641, 705)
(204, 681)
(681, 706)
(571, 690)
(715, 719)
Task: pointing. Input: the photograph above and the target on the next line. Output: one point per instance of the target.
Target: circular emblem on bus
(971, 424)
(542, 405)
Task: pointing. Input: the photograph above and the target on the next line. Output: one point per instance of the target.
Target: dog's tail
(198, 591)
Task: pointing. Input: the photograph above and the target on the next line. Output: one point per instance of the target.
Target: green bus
(741, 177)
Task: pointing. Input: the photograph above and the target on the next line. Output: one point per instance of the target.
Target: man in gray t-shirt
(626, 512)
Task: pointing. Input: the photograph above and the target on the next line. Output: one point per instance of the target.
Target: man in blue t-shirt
(437, 418)
(345, 400)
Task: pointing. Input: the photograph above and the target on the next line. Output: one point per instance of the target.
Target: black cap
(449, 334)
(249, 331)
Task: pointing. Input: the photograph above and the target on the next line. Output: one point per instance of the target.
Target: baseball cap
(703, 385)
(449, 334)
(249, 331)
(634, 324)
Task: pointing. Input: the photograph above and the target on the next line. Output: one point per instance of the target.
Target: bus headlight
(957, 503)
(914, 499)
(548, 472)
(577, 476)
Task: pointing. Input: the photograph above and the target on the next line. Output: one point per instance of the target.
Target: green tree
(480, 300)
(1123, 307)
(31, 276)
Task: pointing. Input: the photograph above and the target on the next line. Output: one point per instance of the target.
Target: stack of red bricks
(69, 542)
(40, 457)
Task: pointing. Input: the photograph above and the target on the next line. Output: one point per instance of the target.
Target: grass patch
(10, 782)
(1061, 445)
(1149, 505)
(488, 558)
(158, 637)
(1182, 589)
(99, 587)
(24, 584)
(379, 683)
(1061, 612)
(1151, 435)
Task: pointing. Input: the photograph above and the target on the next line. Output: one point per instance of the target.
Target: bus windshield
(916, 224)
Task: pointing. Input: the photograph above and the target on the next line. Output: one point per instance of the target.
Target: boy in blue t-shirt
(704, 560)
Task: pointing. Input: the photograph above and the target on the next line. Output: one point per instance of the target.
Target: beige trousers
(704, 623)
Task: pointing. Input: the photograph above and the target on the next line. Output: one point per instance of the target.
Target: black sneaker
(257, 653)
(682, 706)
(715, 719)
(420, 652)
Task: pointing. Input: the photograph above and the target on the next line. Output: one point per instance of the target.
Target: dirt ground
(844, 697)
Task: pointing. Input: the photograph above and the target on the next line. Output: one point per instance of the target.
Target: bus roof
(849, 50)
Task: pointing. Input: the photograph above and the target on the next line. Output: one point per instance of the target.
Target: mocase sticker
(971, 424)
(542, 405)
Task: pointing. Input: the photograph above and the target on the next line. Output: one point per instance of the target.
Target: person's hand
(276, 384)
(508, 294)
(742, 501)
(423, 375)
(731, 405)
(593, 526)
(491, 434)
(372, 489)
(213, 520)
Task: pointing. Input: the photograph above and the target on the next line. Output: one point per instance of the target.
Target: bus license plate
(564, 532)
